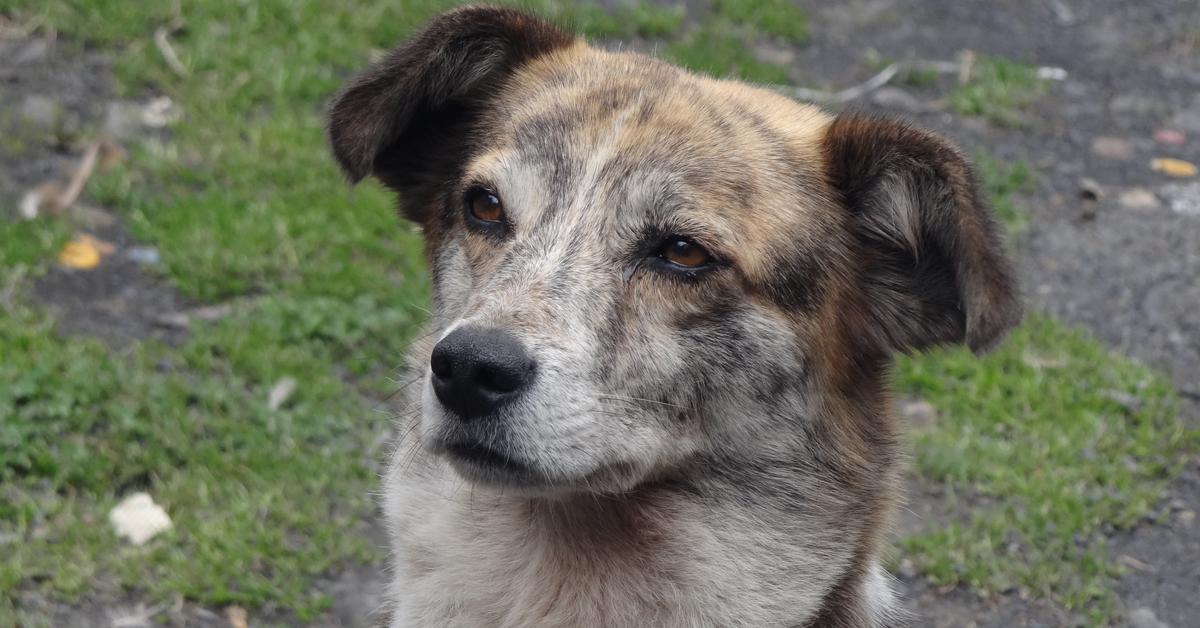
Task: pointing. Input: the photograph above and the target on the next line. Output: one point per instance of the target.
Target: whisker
(641, 400)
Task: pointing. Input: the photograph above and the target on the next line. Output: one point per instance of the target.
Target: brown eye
(683, 252)
(485, 205)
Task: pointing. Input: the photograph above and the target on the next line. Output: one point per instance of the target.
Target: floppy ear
(407, 114)
(933, 263)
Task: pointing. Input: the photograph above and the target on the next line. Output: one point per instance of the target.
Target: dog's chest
(470, 560)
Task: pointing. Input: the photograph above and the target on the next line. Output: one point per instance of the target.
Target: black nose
(476, 371)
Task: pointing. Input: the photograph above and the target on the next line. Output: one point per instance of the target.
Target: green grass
(777, 18)
(263, 501)
(998, 90)
(1001, 182)
(244, 203)
(628, 19)
(720, 51)
(1035, 436)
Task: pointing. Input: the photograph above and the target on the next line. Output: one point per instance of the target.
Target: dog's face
(635, 267)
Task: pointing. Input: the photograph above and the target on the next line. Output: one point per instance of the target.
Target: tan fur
(713, 449)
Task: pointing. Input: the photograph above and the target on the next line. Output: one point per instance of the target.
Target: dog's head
(634, 266)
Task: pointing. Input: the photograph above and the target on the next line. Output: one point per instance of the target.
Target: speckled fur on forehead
(729, 144)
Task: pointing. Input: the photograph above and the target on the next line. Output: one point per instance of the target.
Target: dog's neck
(796, 550)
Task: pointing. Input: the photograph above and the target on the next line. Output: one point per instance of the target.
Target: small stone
(1090, 190)
(919, 413)
(1170, 137)
(1145, 618)
(160, 112)
(1051, 73)
(1183, 198)
(1112, 147)
(1138, 198)
(1186, 517)
(145, 255)
(40, 111)
(139, 519)
(907, 570)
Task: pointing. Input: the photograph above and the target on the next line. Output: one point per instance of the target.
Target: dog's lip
(486, 457)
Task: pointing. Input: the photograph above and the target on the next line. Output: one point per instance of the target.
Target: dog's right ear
(401, 118)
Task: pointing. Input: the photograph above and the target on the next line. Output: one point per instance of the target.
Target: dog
(653, 391)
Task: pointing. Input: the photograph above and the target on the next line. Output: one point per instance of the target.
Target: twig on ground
(850, 93)
(962, 68)
(52, 198)
(966, 62)
(163, 44)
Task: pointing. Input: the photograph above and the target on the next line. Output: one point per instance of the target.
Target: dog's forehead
(642, 133)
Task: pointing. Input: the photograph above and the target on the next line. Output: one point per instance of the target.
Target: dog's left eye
(684, 252)
(484, 205)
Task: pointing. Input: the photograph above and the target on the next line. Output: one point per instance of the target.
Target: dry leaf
(139, 519)
(1170, 137)
(280, 392)
(1173, 167)
(81, 255)
(84, 252)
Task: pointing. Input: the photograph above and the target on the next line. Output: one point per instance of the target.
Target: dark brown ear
(933, 263)
(398, 119)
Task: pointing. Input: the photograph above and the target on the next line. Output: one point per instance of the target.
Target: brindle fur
(716, 450)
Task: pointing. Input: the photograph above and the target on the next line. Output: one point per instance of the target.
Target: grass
(243, 203)
(776, 18)
(1002, 181)
(255, 518)
(998, 90)
(719, 51)
(1041, 442)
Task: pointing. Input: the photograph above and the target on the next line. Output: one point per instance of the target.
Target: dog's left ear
(934, 268)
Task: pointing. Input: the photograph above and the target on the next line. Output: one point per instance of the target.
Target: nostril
(502, 379)
(441, 365)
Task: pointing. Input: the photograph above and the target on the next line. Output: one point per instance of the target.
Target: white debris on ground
(280, 393)
(139, 519)
(1184, 198)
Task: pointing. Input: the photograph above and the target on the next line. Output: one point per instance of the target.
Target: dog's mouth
(487, 459)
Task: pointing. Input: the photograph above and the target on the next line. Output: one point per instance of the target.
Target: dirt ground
(1111, 244)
